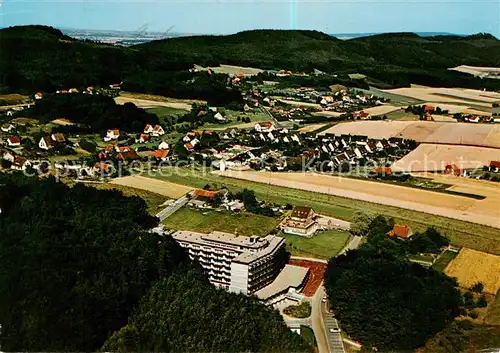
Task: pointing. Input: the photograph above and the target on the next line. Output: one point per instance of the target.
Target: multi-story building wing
(239, 264)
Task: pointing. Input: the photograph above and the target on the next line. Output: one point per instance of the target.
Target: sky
(230, 16)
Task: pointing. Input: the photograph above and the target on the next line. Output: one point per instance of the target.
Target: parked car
(335, 330)
(323, 300)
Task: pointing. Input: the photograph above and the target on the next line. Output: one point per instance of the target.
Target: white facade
(239, 264)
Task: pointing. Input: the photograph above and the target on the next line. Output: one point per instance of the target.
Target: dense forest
(79, 266)
(385, 301)
(42, 58)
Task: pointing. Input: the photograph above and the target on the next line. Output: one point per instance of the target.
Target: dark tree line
(77, 262)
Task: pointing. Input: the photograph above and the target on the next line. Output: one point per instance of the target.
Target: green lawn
(323, 245)
(443, 260)
(243, 223)
(300, 311)
(461, 233)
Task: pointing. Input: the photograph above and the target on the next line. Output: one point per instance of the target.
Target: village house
(20, 163)
(265, 126)
(382, 171)
(112, 134)
(161, 154)
(14, 141)
(143, 138)
(201, 198)
(7, 155)
(103, 169)
(46, 143)
(495, 166)
(38, 96)
(157, 131)
(7, 127)
(302, 221)
(163, 146)
(58, 138)
(453, 169)
(400, 231)
(473, 119)
(219, 117)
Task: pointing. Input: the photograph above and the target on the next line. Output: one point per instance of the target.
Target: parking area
(332, 331)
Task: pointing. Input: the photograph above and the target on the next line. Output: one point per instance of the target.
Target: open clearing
(431, 157)
(451, 206)
(448, 95)
(466, 234)
(63, 122)
(485, 135)
(483, 72)
(243, 223)
(231, 69)
(471, 266)
(164, 188)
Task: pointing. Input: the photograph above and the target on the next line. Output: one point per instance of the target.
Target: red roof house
(453, 169)
(401, 231)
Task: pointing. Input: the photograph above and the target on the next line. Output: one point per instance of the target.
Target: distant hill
(43, 58)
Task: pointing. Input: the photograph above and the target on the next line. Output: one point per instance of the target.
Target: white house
(148, 129)
(112, 134)
(219, 117)
(163, 146)
(7, 127)
(20, 163)
(265, 126)
(46, 143)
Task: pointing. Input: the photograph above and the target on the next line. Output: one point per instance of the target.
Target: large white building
(239, 264)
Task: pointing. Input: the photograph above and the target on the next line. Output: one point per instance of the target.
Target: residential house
(14, 141)
(46, 143)
(473, 119)
(148, 129)
(7, 155)
(102, 168)
(400, 231)
(73, 90)
(161, 154)
(495, 166)
(265, 126)
(302, 221)
(382, 171)
(219, 117)
(143, 138)
(163, 146)
(38, 96)
(7, 127)
(201, 198)
(112, 134)
(58, 138)
(158, 131)
(364, 116)
(20, 163)
(453, 169)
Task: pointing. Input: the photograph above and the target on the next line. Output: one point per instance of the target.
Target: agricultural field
(484, 135)
(431, 157)
(452, 206)
(471, 266)
(460, 108)
(443, 260)
(483, 72)
(243, 223)
(231, 69)
(402, 116)
(381, 109)
(164, 188)
(323, 245)
(395, 99)
(311, 127)
(448, 95)
(153, 200)
(461, 233)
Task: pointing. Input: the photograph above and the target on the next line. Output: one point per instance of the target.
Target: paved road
(338, 223)
(353, 244)
(317, 321)
(173, 207)
(334, 338)
(275, 122)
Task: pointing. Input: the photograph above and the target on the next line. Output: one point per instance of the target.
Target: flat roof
(291, 277)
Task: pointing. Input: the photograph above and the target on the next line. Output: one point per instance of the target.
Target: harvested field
(485, 135)
(328, 113)
(488, 72)
(62, 122)
(144, 103)
(311, 127)
(464, 109)
(435, 157)
(448, 95)
(316, 274)
(471, 266)
(231, 69)
(381, 109)
(164, 188)
(452, 206)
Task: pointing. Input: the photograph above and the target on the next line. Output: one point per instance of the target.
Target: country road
(172, 208)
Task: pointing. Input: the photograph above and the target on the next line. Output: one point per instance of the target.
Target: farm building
(302, 221)
(400, 231)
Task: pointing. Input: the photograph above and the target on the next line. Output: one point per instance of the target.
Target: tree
(387, 302)
(85, 258)
(184, 313)
(360, 225)
(477, 287)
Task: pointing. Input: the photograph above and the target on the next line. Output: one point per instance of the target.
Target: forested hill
(42, 58)
(80, 268)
